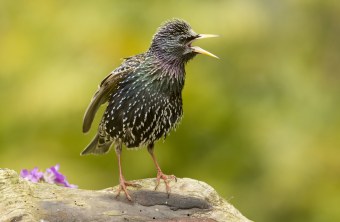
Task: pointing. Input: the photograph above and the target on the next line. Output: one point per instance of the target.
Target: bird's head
(172, 42)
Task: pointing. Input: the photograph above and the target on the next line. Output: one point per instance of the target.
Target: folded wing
(107, 86)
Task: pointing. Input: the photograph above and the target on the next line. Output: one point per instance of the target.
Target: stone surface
(190, 200)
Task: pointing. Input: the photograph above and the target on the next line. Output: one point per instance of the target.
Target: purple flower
(52, 175)
(33, 175)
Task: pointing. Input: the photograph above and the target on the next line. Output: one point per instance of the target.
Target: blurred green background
(261, 125)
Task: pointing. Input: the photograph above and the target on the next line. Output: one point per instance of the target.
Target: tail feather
(97, 146)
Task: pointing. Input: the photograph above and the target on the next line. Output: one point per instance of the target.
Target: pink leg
(160, 174)
(122, 182)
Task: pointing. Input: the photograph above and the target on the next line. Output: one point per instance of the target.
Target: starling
(144, 96)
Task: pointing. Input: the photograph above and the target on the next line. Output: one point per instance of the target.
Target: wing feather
(107, 86)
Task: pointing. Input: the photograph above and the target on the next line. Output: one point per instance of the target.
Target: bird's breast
(140, 113)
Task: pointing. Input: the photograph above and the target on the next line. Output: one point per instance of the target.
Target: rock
(190, 200)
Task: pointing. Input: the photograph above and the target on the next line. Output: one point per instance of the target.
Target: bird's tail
(97, 146)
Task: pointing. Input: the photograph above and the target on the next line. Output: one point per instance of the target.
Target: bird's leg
(122, 182)
(160, 174)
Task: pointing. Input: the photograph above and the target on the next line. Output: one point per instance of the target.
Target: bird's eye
(182, 39)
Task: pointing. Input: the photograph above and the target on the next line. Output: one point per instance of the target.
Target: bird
(144, 97)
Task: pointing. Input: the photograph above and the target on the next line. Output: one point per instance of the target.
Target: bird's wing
(106, 87)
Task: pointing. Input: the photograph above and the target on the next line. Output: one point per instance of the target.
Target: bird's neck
(169, 74)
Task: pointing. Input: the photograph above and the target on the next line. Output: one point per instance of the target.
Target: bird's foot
(166, 179)
(122, 187)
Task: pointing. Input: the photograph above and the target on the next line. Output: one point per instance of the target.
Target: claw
(166, 179)
(122, 187)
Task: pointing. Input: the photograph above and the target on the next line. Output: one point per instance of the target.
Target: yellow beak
(202, 51)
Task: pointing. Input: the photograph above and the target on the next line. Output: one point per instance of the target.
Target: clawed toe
(133, 184)
(122, 187)
(166, 179)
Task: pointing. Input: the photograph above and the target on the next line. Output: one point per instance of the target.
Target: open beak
(199, 49)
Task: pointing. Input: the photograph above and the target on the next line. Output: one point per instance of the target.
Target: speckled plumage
(146, 102)
(145, 105)
(144, 93)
